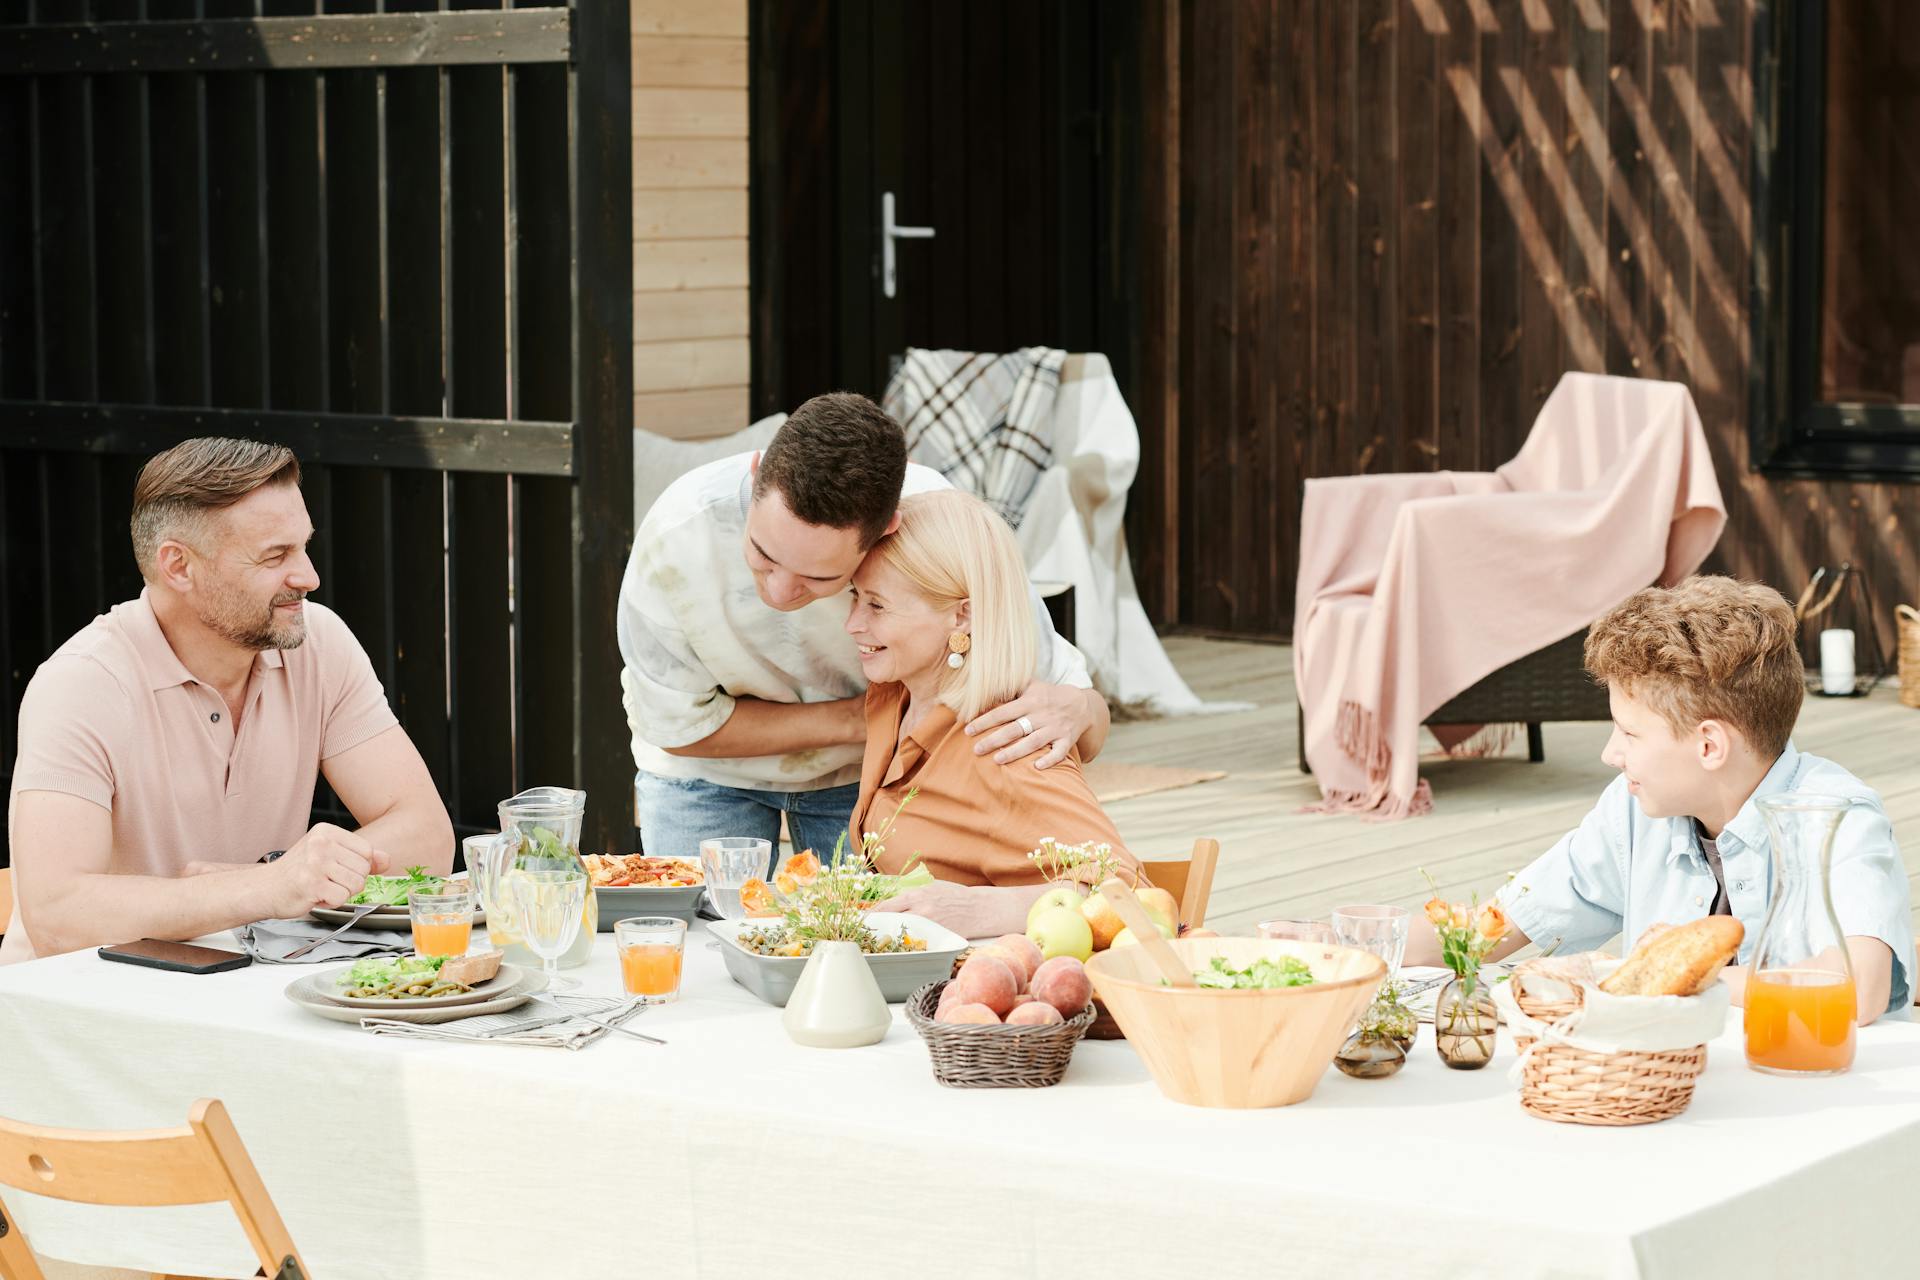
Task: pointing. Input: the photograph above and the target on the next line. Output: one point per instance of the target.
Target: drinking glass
(1297, 930)
(729, 862)
(549, 905)
(1381, 930)
(442, 922)
(651, 949)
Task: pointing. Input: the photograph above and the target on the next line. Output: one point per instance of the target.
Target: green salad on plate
(395, 891)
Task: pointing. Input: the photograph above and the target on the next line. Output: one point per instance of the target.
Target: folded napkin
(538, 1022)
(269, 941)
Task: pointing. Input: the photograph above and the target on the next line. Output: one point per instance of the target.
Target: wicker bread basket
(1906, 623)
(972, 1056)
(1582, 1086)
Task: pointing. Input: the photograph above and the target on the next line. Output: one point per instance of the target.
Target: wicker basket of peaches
(1008, 1018)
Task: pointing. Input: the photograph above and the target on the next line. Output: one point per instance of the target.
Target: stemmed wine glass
(549, 906)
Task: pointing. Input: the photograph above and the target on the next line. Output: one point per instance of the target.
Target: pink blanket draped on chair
(1414, 587)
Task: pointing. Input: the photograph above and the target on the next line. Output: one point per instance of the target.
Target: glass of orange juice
(442, 922)
(651, 948)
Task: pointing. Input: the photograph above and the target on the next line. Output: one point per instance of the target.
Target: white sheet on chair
(1074, 532)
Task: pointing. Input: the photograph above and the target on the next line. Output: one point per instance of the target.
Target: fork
(604, 1026)
(360, 913)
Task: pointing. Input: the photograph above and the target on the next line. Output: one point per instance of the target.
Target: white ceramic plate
(387, 918)
(326, 985)
(530, 981)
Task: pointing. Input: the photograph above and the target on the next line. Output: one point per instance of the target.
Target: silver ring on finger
(1026, 726)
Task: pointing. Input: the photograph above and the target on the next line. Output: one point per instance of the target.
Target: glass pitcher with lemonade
(539, 830)
(1800, 1005)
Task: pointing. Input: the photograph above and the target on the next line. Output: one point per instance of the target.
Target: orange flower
(1437, 912)
(757, 898)
(1492, 922)
(1456, 915)
(802, 866)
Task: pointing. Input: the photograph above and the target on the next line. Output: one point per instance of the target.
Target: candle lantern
(1839, 641)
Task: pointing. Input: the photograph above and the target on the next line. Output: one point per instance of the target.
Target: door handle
(889, 232)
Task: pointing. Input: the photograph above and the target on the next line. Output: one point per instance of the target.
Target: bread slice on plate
(472, 970)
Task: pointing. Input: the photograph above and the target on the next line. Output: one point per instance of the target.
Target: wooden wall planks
(690, 130)
(1398, 221)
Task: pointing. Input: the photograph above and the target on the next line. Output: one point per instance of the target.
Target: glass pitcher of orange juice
(539, 829)
(1800, 1005)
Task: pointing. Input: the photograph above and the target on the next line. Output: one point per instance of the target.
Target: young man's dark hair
(839, 461)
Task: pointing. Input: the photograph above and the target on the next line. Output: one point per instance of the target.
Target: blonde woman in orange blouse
(943, 618)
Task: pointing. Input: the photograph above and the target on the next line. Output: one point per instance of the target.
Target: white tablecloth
(733, 1152)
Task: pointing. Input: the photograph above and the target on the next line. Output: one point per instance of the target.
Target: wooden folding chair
(1189, 880)
(203, 1163)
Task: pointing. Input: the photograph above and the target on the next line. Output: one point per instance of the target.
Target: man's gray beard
(262, 636)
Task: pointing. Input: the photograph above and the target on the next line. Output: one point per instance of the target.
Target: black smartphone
(176, 957)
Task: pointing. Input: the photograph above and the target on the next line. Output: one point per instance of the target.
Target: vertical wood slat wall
(417, 241)
(1399, 221)
(691, 357)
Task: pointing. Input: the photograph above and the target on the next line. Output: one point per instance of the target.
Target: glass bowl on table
(442, 922)
(652, 949)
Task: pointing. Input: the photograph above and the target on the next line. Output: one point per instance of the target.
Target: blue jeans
(676, 814)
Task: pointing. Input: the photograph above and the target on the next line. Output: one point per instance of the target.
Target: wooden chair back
(203, 1163)
(1189, 880)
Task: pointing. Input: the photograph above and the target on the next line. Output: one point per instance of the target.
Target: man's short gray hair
(179, 487)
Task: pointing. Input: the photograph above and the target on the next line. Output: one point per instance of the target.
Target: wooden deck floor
(1490, 816)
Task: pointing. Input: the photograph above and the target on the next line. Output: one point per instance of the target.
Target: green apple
(1164, 910)
(1127, 938)
(1061, 895)
(1061, 930)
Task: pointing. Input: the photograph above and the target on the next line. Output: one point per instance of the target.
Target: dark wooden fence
(399, 242)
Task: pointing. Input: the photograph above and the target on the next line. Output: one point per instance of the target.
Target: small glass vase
(1370, 1055)
(1464, 1022)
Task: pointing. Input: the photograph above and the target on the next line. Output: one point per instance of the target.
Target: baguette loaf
(1682, 961)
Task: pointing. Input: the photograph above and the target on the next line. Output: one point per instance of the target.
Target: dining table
(730, 1151)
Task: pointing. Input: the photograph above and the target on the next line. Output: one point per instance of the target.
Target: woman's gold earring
(957, 645)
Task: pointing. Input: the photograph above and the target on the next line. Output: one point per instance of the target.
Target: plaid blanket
(983, 421)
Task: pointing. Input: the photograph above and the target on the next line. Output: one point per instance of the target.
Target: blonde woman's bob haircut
(953, 548)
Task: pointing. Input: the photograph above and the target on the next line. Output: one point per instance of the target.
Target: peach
(1021, 946)
(1025, 997)
(1017, 964)
(1062, 982)
(987, 980)
(948, 998)
(1034, 1014)
(970, 1013)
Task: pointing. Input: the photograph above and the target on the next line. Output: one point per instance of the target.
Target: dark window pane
(1870, 290)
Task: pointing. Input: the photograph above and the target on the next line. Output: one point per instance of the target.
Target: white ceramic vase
(836, 1004)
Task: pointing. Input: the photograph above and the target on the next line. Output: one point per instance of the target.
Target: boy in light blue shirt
(1705, 683)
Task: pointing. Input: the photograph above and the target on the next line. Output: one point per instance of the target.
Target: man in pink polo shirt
(168, 752)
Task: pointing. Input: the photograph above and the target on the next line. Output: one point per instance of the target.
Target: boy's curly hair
(1708, 649)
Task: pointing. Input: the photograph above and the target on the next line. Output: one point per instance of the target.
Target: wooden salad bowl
(1211, 1048)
